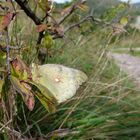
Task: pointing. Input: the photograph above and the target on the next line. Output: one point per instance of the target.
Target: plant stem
(8, 52)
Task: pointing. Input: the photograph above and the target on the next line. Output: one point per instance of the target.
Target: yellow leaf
(124, 21)
(47, 41)
(83, 7)
(45, 5)
(1, 85)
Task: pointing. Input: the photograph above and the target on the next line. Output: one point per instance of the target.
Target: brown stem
(28, 11)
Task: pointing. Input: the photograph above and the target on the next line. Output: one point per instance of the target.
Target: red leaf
(19, 68)
(6, 19)
(25, 90)
(66, 11)
(31, 103)
(41, 27)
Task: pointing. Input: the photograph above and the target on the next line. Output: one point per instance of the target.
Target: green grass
(131, 52)
(127, 43)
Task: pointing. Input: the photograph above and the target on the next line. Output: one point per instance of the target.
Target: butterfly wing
(60, 80)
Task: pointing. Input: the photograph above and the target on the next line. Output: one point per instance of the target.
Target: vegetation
(105, 107)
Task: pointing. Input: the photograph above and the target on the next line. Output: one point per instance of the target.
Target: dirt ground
(129, 64)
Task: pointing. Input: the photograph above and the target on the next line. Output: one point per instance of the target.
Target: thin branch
(38, 21)
(87, 18)
(14, 132)
(2, 127)
(61, 133)
(25, 7)
(8, 52)
(72, 9)
(41, 35)
(67, 15)
(3, 48)
(25, 120)
(28, 11)
(94, 20)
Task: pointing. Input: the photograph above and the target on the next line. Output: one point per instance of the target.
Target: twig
(72, 9)
(95, 20)
(28, 11)
(5, 125)
(60, 133)
(26, 123)
(8, 52)
(16, 133)
(77, 24)
(3, 48)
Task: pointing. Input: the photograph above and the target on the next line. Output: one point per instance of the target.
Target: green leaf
(20, 70)
(82, 7)
(2, 58)
(124, 21)
(47, 41)
(44, 5)
(1, 86)
(45, 97)
(112, 12)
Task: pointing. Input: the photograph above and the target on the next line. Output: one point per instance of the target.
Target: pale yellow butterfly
(61, 81)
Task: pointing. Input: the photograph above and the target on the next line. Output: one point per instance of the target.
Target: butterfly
(60, 80)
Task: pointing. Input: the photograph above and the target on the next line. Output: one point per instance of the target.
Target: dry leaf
(41, 27)
(5, 21)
